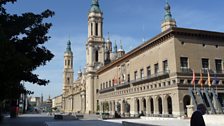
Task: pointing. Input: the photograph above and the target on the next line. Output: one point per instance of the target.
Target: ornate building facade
(154, 79)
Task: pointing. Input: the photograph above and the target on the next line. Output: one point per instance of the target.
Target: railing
(106, 89)
(124, 84)
(152, 76)
(186, 70)
(219, 71)
(205, 71)
(139, 80)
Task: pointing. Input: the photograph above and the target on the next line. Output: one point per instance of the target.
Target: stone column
(101, 108)
(141, 105)
(165, 105)
(133, 106)
(122, 107)
(112, 108)
(83, 102)
(148, 106)
(99, 29)
(71, 104)
(156, 105)
(109, 107)
(94, 29)
(91, 55)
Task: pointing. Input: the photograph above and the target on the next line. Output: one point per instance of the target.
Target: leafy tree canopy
(22, 50)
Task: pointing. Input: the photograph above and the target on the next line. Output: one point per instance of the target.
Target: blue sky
(126, 20)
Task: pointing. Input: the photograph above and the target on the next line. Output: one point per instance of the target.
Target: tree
(22, 50)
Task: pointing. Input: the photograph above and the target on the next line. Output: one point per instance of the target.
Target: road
(27, 120)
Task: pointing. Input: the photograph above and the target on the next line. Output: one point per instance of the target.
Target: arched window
(91, 28)
(68, 62)
(96, 56)
(68, 80)
(96, 29)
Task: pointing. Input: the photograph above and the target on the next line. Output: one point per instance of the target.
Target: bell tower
(95, 53)
(68, 68)
(95, 44)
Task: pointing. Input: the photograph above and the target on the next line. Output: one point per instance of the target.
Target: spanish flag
(209, 79)
(201, 79)
(115, 81)
(193, 78)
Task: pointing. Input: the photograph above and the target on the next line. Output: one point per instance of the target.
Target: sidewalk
(210, 120)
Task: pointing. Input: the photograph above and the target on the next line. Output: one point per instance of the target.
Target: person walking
(197, 117)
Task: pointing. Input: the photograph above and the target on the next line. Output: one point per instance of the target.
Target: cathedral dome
(95, 7)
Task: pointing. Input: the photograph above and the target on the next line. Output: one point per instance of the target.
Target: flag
(115, 81)
(209, 79)
(201, 79)
(193, 79)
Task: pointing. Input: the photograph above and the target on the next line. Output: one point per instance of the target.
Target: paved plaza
(214, 120)
(118, 122)
(45, 120)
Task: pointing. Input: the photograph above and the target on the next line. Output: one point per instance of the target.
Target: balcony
(106, 90)
(205, 70)
(153, 77)
(219, 71)
(186, 70)
(122, 85)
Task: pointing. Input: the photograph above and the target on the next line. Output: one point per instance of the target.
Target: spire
(68, 48)
(115, 47)
(79, 73)
(108, 39)
(95, 7)
(168, 15)
(168, 21)
(121, 47)
(108, 36)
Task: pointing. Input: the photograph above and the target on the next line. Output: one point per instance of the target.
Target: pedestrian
(197, 117)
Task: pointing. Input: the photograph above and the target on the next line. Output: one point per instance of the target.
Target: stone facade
(57, 103)
(153, 79)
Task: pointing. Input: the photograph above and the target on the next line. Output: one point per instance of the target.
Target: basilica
(167, 75)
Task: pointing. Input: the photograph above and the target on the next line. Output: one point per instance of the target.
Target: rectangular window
(156, 66)
(184, 62)
(109, 83)
(135, 75)
(165, 66)
(218, 65)
(128, 77)
(148, 71)
(205, 65)
(141, 73)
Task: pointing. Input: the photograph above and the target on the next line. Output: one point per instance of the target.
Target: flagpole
(194, 88)
(216, 91)
(193, 80)
(209, 80)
